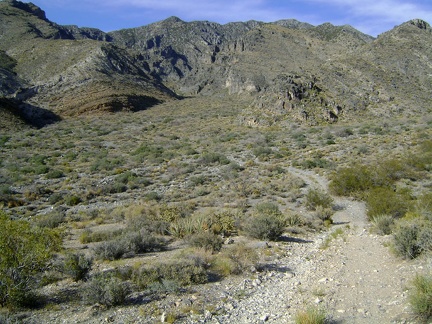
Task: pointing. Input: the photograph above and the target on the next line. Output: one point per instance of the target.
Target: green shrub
(183, 272)
(351, 181)
(106, 290)
(265, 226)
(385, 201)
(72, 200)
(316, 197)
(25, 254)
(77, 265)
(206, 240)
(54, 174)
(211, 158)
(420, 297)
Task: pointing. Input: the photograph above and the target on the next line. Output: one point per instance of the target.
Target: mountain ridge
(72, 71)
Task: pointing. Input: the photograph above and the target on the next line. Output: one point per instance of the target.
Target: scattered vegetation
(420, 297)
(312, 315)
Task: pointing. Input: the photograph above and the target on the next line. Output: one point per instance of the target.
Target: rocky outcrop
(288, 69)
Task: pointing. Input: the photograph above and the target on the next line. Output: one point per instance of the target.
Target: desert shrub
(344, 132)
(88, 236)
(236, 259)
(385, 201)
(77, 265)
(406, 238)
(55, 198)
(425, 238)
(223, 223)
(311, 315)
(316, 197)
(72, 200)
(265, 226)
(25, 253)
(262, 152)
(110, 250)
(152, 195)
(294, 220)
(206, 240)
(112, 188)
(183, 272)
(51, 220)
(211, 158)
(129, 244)
(54, 174)
(351, 181)
(420, 297)
(424, 205)
(382, 224)
(324, 214)
(106, 290)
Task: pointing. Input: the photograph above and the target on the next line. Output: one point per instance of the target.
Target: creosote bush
(25, 254)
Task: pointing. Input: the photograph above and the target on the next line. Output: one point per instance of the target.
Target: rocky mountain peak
(419, 23)
(28, 7)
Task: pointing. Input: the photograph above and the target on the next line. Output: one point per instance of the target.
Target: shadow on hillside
(293, 239)
(30, 114)
(275, 268)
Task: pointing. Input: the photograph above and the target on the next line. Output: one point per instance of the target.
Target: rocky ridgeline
(70, 71)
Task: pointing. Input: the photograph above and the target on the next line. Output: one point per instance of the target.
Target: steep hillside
(287, 70)
(60, 70)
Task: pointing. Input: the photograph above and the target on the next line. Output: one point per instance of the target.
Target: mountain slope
(60, 70)
(288, 70)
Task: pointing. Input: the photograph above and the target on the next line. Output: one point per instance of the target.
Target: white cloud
(369, 16)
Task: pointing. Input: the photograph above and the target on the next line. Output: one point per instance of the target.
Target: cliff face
(289, 69)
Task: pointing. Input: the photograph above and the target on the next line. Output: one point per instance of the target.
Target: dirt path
(355, 279)
(368, 283)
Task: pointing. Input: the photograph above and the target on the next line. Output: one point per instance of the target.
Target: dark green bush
(420, 297)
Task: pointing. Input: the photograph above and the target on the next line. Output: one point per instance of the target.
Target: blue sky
(369, 16)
